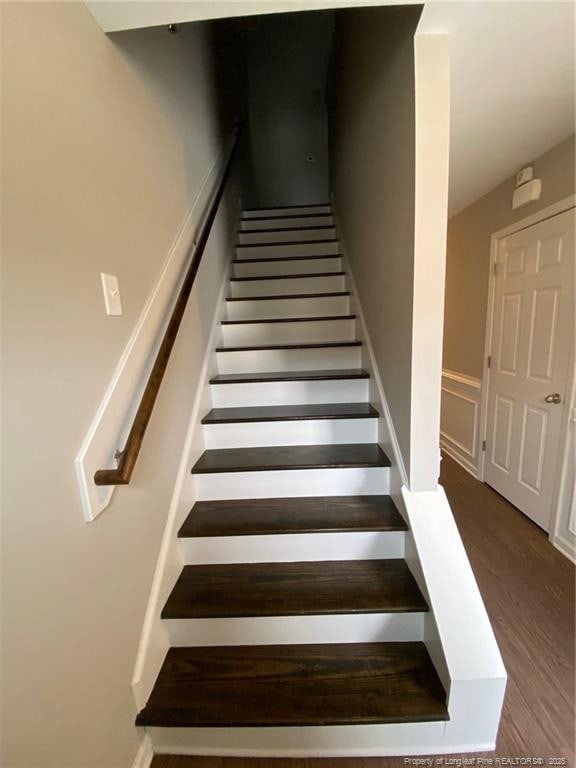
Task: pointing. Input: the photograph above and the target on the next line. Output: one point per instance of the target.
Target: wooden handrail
(128, 456)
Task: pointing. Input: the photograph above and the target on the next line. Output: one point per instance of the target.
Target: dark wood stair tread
(317, 319)
(296, 685)
(291, 345)
(291, 457)
(294, 589)
(308, 514)
(290, 413)
(289, 296)
(338, 374)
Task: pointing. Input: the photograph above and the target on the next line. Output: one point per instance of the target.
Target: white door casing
(531, 349)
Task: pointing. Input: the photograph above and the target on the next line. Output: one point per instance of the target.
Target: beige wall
(373, 165)
(105, 144)
(468, 256)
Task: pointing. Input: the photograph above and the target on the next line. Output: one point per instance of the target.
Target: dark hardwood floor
(528, 588)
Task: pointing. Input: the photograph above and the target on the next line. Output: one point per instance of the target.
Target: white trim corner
(144, 754)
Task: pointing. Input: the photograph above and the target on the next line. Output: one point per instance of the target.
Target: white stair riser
(309, 432)
(282, 236)
(287, 286)
(281, 251)
(289, 393)
(282, 630)
(296, 547)
(265, 308)
(282, 267)
(278, 333)
(353, 481)
(269, 360)
(358, 741)
(289, 211)
(290, 222)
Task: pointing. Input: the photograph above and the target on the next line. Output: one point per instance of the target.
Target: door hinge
(495, 268)
(489, 362)
(483, 445)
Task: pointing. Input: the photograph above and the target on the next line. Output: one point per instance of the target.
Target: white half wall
(460, 433)
(432, 132)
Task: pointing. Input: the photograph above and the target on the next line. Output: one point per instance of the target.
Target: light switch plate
(111, 294)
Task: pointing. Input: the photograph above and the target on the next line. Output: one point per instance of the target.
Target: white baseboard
(565, 546)
(108, 429)
(154, 642)
(145, 753)
(446, 446)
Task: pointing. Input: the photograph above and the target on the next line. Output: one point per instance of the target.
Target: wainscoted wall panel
(460, 419)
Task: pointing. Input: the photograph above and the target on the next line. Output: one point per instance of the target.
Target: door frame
(549, 212)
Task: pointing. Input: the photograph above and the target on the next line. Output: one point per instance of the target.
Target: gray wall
(468, 256)
(287, 59)
(373, 165)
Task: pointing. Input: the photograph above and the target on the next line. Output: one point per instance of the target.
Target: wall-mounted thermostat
(525, 175)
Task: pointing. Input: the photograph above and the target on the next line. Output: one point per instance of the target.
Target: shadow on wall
(287, 63)
(210, 73)
(206, 68)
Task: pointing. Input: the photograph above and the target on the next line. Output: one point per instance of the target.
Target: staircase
(295, 605)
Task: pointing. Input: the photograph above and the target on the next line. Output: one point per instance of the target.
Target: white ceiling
(512, 67)
(115, 15)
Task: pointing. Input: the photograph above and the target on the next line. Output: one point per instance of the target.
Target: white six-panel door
(531, 348)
